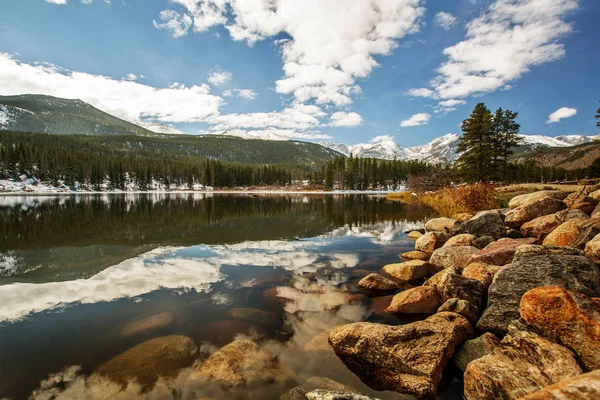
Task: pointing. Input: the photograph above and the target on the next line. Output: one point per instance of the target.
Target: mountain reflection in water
(85, 278)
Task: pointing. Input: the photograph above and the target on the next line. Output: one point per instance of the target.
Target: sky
(349, 71)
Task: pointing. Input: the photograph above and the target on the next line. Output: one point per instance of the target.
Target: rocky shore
(508, 301)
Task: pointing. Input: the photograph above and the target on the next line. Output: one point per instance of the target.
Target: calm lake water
(79, 273)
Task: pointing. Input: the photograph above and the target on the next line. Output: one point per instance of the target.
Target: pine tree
(476, 161)
(598, 118)
(506, 136)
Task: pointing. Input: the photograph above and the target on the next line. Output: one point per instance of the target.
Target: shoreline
(305, 192)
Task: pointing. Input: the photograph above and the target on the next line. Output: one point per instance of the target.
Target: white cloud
(219, 78)
(342, 118)
(131, 101)
(416, 120)
(422, 92)
(56, 1)
(247, 94)
(324, 55)
(130, 77)
(446, 106)
(502, 44)
(171, 20)
(561, 113)
(295, 118)
(383, 138)
(444, 20)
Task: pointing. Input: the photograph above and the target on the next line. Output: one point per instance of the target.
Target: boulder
(480, 272)
(254, 315)
(437, 280)
(222, 332)
(384, 357)
(525, 213)
(586, 207)
(460, 287)
(474, 349)
(273, 300)
(542, 226)
(452, 257)
(322, 394)
(415, 255)
(585, 386)
(431, 241)
(418, 300)
(407, 271)
(483, 224)
(530, 250)
(147, 324)
(532, 269)
(356, 299)
(314, 383)
(596, 211)
(462, 217)
(376, 283)
(592, 248)
(320, 343)
(414, 235)
(462, 307)
(522, 364)
(513, 234)
(482, 241)
(577, 197)
(595, 195)
(568, 316)
(240, 364)
(379, 304)
(573, 233)
(500, 252)
(162, 357)
(463, 239)
(529, 198)
(440, 224)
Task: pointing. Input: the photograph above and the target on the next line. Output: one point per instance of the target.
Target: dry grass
(454, 200)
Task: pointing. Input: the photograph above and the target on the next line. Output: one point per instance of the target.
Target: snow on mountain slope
(157, 127)
(439, 150)
(260, 135)
(574, 140)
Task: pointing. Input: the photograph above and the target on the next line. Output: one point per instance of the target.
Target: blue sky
(336, 70)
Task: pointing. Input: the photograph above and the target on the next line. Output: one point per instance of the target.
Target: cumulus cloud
(171, 20)
(128, 100)
(382, 138)
(56, 1)
(289, 118)
(219, 78)
(416, 120)
(247, 94)
(323, 56)
(444, 20)
(130, 77)
(342, 118)
(502, 44)
(446, 106)
(561, 113)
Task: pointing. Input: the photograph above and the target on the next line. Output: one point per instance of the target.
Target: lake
(84, 278)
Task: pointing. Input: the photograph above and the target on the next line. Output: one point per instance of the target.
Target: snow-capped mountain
(260, 135)
(157, 127)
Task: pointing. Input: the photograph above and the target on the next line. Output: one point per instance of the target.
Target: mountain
(443, 149)
(565, 157)
(157, 127)
(47, 114)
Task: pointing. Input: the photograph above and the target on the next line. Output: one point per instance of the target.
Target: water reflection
(280, 270)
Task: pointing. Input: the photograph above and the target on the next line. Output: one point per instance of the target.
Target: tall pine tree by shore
(477, 145)
(506, 136)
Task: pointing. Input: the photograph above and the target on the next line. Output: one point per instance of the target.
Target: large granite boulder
(535, 266)
(461, 287)
(452, 257)
(474, 349)
(540, 227)
(585, 386)
(162, 357)
(529, 198)
(568, 316)
(525, 213)
(418, 300)
(592, 248)
(480, 272)
(500, 252)
(462, 307)
(437, 280)
(239, 365)
(483, 224)
(407, 271)
(385, 357)
(463, 239)
(522, 364)
(375, 283)
(415, 255)
(573, 233)
(440, 224)
(431, 241)
(414, 235)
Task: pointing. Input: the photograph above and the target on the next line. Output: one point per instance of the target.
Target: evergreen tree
(476, 162)
(598, 118)
(506, 136)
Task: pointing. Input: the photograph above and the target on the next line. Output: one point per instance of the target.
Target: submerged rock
(419, 300)
(315, 383)
(522, 364)
(529, 198)
(254, 315)
(384, 357)
(500, 252)
(147, 324)
(533, 268)
(452, 257)
(483, 224)
(378, 284)
(407, 271)
(440, 224)
(161, 357)
(321, 394)
(431, 241)
(568, 316)
(474, 349)
(525, 213)
(585, 386)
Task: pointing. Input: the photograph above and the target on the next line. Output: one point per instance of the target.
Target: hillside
(568, 158)
(53, 115)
